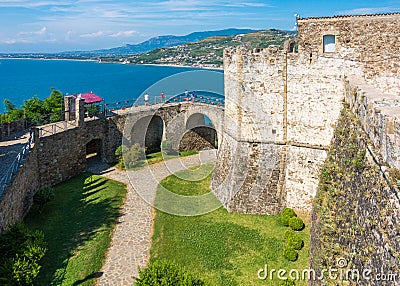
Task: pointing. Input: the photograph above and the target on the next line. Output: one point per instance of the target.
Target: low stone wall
(379, 115)
(17, 200)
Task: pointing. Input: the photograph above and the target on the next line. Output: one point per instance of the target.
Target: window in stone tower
(329, 44)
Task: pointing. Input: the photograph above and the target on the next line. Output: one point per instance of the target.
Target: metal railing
(201, 97)
(8, 176)
(56, 127)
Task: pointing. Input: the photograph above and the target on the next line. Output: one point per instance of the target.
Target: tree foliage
(34, 110)
(21, 251)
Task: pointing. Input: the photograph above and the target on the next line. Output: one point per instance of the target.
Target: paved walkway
(9, 149)
(130, 245)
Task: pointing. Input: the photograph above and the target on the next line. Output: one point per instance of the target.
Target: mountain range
(161, 42)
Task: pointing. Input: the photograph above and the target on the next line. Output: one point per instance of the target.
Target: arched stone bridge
(60, 150)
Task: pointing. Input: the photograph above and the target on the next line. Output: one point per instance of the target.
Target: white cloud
(42, 31)
(247, 4)
(123, 34)
(360, 11)
(93, 35)
(32, 4)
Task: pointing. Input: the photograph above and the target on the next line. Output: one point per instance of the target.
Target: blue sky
(63, 25)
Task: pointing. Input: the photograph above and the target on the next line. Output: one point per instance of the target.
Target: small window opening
(329, 44)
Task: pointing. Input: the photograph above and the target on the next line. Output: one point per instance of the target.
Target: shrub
(120, 151)
(287, 282)
(166, 273)
(290, 254)
(22, 250)
(288, 233)
(133, 156)
(42, 197)
(166, 148)
(296, 223)
(286, 215)
(295, 241)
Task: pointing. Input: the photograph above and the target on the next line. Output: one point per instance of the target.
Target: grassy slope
(77, 225)
(225, 248)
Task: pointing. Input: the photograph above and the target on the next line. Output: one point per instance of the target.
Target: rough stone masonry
(282, 106)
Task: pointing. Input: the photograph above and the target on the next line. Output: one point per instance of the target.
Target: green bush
(119, 152)
(290, 254)
(166, 148)
(42, 197)
(21, 251)
(296, 223)
(165, 273)
(134, 155)
(286, 215)
(288, 233)
(287, 282)
(295, 241)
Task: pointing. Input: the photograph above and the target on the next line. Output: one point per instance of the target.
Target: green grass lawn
(77, 226)
(157, 157)
(223, 248)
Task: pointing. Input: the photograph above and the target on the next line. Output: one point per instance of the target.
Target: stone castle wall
(287, 104)
(370, 40)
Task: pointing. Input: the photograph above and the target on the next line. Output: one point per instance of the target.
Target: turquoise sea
(21, 79)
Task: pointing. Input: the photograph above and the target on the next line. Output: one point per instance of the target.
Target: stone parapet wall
(18, 198)
(379, 115)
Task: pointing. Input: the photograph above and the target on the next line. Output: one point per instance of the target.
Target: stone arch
(200, 133)
(94, 148)
(148, 131)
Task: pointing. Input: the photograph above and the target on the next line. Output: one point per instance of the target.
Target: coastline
(47, 59)
(120, 63)
(180, 66)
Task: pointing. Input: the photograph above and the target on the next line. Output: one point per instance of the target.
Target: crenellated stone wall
(292, 100)
(287, 104)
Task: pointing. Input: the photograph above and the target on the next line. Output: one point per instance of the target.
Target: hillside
(207, 52)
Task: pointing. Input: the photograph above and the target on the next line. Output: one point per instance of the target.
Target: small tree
(166, 148)
(133, 156)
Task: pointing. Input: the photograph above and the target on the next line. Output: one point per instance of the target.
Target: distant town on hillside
(199, 49)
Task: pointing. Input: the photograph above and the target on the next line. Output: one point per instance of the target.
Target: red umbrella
(89, 97)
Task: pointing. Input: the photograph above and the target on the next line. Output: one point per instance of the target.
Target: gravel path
(130, 245)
